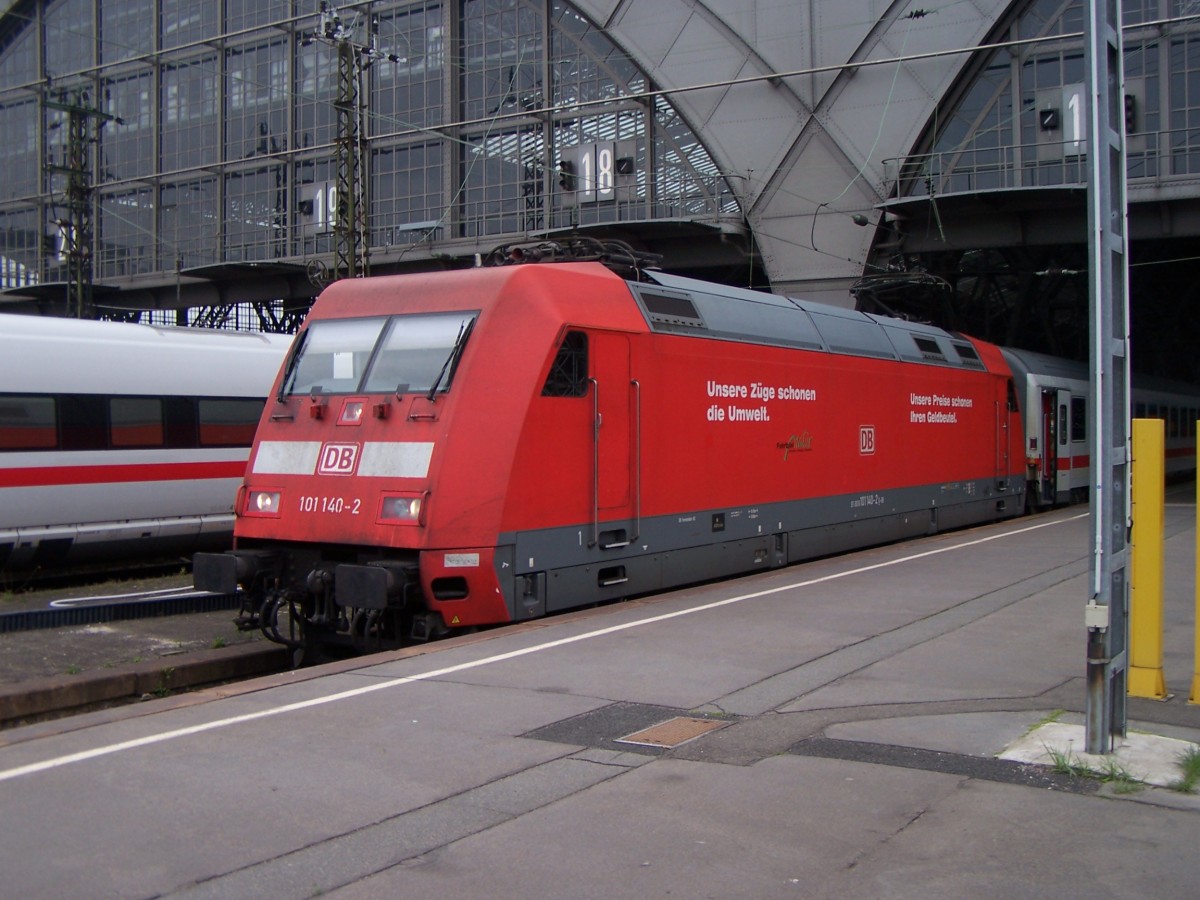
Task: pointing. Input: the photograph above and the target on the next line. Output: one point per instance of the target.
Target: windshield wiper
(451, 363)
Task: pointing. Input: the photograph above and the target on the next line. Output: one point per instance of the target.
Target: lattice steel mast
(1108, 278)
(76, 228)
(351, 236)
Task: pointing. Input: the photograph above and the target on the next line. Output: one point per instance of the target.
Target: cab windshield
(385, 354)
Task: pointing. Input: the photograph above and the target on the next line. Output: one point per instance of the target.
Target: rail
(60, 617)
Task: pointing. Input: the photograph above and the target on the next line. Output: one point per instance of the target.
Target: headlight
(402, 509)
(262, 503)
(352, 412)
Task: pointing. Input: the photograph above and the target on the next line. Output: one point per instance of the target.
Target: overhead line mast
(1107, 611)
(75, 229)
(351, 235)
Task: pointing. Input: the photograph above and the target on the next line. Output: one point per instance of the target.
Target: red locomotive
(466, 448)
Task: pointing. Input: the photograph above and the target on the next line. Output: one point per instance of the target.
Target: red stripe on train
(45, 476)
(1082, 462)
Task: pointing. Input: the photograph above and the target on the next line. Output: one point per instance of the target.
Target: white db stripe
(391, 459)
(396, 460)
(286, 458)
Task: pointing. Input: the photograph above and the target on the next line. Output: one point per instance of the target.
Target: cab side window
(569, 372)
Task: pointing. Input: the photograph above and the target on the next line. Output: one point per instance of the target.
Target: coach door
(1062, 466)
(1048, 440)
(1003, 405)
(1055, 476)
(616, 432)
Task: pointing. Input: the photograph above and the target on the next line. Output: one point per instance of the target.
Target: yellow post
(1195, 697)
(1146, 562)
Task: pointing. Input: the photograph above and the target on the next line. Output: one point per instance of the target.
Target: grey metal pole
(1106, 615)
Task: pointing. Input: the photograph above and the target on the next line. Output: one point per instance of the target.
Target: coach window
(82, 422)
(27, 423)
(1078, 419)
(228, 423)
(569, 372)
(181, 425)
(135, 422)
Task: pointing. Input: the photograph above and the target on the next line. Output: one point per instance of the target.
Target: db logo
(866, 440)
(338, 459)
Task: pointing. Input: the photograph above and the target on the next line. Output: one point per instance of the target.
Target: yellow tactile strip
(672, 732)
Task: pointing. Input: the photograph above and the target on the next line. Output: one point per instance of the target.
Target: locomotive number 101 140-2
(338, 505)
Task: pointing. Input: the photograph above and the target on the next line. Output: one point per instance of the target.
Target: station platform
(834, 729)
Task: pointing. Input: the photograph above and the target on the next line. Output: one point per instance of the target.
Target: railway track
(116, 608)
(63, 655)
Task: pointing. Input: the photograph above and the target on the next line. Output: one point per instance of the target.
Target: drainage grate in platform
(642, 724)
(672, 732)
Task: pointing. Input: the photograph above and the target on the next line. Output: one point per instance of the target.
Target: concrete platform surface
(1138, 756)
(836, 729)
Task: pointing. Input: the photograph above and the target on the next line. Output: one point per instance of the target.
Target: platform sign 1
(1075, 119)
(1062, 122)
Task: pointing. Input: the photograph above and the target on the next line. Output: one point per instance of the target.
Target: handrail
(595, 462)
(1152, 157)
(635, 467)
(637, 459)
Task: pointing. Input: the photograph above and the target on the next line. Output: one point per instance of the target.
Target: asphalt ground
(837, 729)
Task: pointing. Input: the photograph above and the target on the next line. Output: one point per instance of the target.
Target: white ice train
(120, 439)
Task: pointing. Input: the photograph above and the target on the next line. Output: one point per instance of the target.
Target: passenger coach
(121, 440)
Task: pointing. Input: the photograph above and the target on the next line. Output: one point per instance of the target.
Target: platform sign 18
(593, 173)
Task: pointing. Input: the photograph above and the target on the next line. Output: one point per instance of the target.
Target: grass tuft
(1049, 719)
(1065, 763)
(1118, 776)
(1112, 773)
(1189, 767)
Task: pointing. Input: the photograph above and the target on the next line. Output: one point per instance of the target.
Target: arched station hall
(218, 163)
